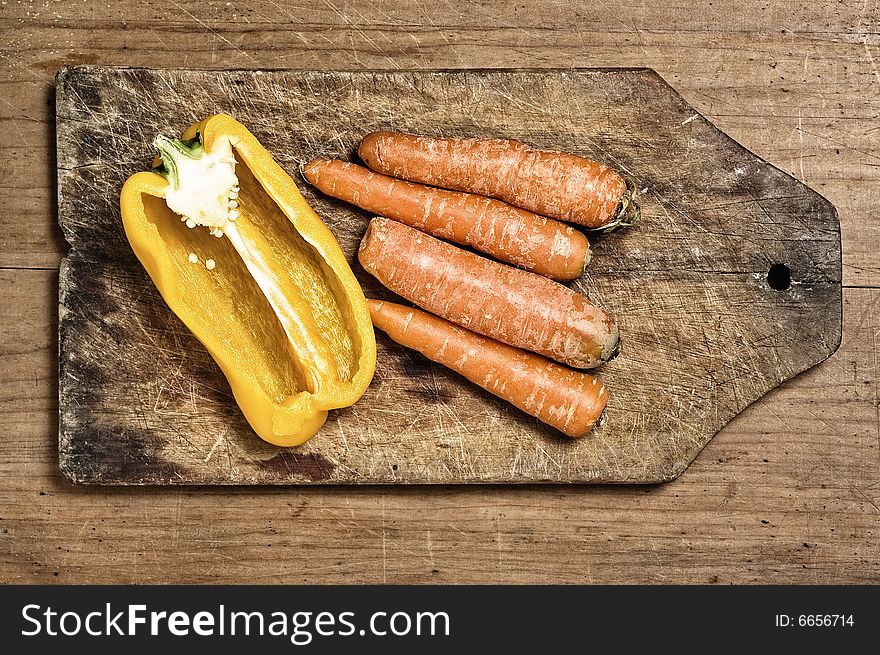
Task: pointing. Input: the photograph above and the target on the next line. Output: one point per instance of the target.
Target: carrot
(513, 235)
(556, 184)
(570, 401)
(516, 307)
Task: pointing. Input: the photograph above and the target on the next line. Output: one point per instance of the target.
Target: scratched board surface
(706, 328)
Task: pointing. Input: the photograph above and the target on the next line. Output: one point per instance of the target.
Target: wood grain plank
(630, 16)
(803, 99)
(787, 493)
(607, 534)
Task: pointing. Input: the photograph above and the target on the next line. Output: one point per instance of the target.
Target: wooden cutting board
(705, 332)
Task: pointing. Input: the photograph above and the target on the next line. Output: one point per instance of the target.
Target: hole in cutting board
(779, 277)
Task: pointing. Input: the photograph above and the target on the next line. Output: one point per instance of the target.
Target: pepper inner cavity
(302, 272)
(228, 302)
(218, 190)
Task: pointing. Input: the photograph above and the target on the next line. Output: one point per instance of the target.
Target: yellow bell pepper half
(247, 265)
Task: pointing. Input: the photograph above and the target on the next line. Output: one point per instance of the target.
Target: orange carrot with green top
(507, 233)
(560, 185)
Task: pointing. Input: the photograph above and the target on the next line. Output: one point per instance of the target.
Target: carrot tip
(588, 257)
(600, 421)
(628, 211)
(615, 351)
(302, 170)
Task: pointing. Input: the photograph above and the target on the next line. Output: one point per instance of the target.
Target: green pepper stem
(171, 150)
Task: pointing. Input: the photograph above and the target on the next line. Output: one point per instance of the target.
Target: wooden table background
(789, 492)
